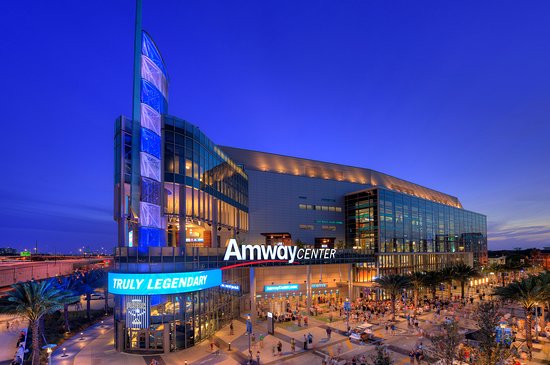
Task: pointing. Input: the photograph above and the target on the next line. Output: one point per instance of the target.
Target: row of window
(325, 208)
(311, 227)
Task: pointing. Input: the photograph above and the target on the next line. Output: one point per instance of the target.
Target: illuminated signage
(283, 287)
(279, 253)
(25, 254)
(137, 311)
(318, 285)
(230, 286)
(163, 283)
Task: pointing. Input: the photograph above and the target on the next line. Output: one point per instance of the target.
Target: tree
(418, 281)
(487, 316)
(445, 346)
(33, 300)
(433, 279)
(527, 293)
(446, 276)
(463, 273)
(381, 357)
(499, 269)
(393, 285)
(90, 281)
(71, 284)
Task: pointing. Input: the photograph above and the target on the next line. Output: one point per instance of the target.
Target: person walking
(258, 357)
(305, 342)
(411, 357)
(329, 331)
(292, 344)
(279, 348)
(231, 328)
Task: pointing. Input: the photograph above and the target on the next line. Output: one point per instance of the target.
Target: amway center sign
(290, 254)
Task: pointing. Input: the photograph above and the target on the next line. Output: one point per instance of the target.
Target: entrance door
(137, 339)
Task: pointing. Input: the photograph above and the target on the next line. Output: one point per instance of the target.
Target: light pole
(347, 308)
(49, 348)
(249, 332)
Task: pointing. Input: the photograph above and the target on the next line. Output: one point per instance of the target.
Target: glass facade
(179, 321)
(386, 221)
(201, 184)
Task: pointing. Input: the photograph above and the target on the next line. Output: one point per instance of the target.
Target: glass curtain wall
(400, 223)
(214, 187)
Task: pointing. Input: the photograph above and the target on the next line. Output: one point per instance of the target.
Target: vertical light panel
(153, 103)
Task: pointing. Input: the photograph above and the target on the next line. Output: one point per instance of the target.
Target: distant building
(497, 260)
(7, 251)
(541, 258)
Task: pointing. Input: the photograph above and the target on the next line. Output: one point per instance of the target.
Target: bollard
(229, 346)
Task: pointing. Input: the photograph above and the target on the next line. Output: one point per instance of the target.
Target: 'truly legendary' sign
(163, 283)
(279, 253)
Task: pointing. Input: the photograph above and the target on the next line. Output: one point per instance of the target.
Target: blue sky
(450, 95)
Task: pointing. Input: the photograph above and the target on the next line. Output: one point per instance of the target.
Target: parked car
(96, 296)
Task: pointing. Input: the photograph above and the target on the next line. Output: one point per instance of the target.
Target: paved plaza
(96, 346)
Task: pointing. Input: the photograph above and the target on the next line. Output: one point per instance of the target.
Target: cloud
(519, 234)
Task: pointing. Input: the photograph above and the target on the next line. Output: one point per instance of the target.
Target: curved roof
(264, 161)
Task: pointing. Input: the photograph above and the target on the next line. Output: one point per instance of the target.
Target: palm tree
(447, 276)
(527, 293)
(393, 285)
(90, 281)
(544, 281)
(463, 273)
(72, 284)
(499, 269)
(418, 281)
(33, 300)
(432, 280)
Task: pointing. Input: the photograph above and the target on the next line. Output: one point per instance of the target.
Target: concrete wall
(274, 199)
(13, 273)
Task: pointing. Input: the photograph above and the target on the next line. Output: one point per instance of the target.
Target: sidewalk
(9, 337)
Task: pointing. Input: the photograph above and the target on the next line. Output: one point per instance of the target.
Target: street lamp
(249, 332)
(49, 350)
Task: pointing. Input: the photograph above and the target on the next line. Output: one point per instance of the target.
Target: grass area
(54, 325)
(290, 326)
(325, 318)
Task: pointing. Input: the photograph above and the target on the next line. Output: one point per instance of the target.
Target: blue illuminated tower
(150, 93)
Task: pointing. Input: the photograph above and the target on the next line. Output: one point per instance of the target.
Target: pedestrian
(261, 341)
(309, 338)
(329, 331)
(411, 357)
(253, 340)
(305, 342)
(279, 348)
(258, 357)
(231, 328)
(293, 345)
(387, 327)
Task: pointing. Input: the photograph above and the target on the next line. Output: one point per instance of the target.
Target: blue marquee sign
(163, 283)
(234, 287)
(319, 285)
(284, 287)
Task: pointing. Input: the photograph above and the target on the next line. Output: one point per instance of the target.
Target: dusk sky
(454, 96)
